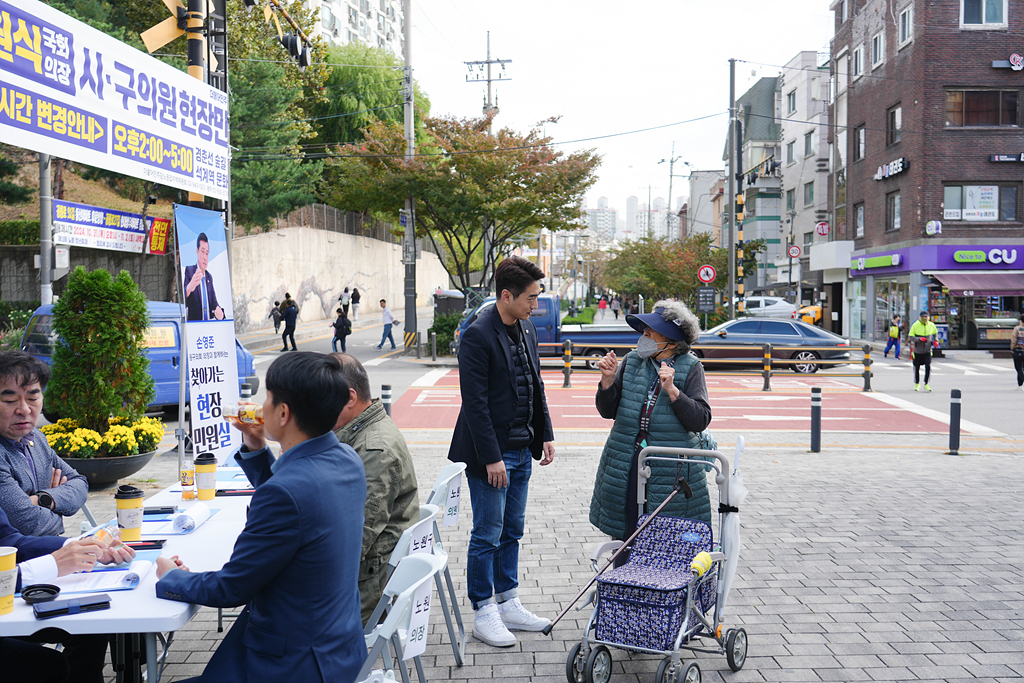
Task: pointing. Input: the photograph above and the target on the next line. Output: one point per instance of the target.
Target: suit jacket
(294, 566)
(28, 546)
(194, 301)
(487, 381)
(17, 483)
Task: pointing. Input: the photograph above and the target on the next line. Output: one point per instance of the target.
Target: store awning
(965, 283)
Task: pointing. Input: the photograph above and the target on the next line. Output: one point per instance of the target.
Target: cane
(679, 485)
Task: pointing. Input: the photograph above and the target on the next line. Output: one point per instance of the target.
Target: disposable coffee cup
(206, 476)
(129, 501)
(8, 578)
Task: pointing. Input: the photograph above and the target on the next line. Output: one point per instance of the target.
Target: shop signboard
(981, 203)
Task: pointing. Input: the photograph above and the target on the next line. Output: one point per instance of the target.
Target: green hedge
(19, 232)
(444, 327)
(586, 317)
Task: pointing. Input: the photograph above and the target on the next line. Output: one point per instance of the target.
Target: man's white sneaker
(488, 627)
(518, 618)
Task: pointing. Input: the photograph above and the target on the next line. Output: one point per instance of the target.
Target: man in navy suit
(200, 297)
(296, 563)
(503, 425)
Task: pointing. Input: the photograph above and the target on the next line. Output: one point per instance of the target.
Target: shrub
(23, 232)
(444, 327)
(585, 317)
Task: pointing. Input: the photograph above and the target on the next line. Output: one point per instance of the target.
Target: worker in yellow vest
(894, 337)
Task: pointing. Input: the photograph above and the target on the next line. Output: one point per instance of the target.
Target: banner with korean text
(212, 371)
(69, 90)
(82, 225)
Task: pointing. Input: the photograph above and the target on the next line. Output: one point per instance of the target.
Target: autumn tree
(475, 193)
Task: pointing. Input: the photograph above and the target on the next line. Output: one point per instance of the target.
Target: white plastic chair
(397, 555)
(399, 593)
(439, 497)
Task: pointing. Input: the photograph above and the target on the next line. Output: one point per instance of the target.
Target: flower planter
(102, 473)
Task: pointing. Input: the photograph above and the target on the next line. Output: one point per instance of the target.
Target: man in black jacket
(503, 425)
(291, 314)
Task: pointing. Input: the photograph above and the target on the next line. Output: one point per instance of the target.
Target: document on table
(102, 581)
(178, 524)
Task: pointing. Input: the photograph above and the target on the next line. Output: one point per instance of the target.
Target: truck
(589, 341)
(163, 348)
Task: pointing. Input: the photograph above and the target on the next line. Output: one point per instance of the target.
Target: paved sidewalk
(266, 338)
(879, 559)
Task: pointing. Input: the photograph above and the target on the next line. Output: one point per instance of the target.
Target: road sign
(794, 251)
(705, 299)
(706, 273)
(822, 228)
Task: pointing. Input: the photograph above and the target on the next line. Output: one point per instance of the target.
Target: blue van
(163, 343)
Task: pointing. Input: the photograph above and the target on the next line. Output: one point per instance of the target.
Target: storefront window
(892, 297)
(858, 315)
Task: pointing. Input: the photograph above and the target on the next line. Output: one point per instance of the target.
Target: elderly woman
(657, 397)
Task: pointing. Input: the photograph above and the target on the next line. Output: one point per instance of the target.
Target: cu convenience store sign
(68, 90)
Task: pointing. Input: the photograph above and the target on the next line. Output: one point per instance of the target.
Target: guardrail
(767, 363)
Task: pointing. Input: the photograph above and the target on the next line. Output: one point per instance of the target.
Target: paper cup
(206, 476)
(129, 501)
(8, 578)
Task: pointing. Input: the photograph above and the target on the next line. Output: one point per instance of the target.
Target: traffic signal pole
(734, 164)
(409, 239)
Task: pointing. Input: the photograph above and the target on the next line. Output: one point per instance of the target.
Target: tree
(470, 187)
(11, 193)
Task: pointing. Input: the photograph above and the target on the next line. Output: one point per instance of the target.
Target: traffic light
(299, 50)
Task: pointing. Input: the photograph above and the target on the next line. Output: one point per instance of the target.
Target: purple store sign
(964, 257)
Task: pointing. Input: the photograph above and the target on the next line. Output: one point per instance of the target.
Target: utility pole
(734, 164)
(409, 241)
(671, 163)
(45, 231)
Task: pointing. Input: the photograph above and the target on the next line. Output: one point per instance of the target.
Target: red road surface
(738, 404)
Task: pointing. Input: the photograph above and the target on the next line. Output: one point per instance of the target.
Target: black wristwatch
(45, 500)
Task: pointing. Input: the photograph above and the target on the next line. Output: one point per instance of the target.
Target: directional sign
(822, 228)
(794, 251)
(706, 273)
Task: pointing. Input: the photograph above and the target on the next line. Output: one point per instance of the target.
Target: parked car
(810, 314)
(163, 346)
(768, 307)
(786, 337)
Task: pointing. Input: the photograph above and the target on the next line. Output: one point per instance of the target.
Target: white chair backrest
(439, 494)
(409, 575)
(416, 531)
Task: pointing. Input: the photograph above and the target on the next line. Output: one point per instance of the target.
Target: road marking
(430, 378)
(778, 418)
(990, 366)
(965, 425)
(376, 361)
(972, 373)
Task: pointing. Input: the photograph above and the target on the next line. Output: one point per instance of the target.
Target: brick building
(927, 159)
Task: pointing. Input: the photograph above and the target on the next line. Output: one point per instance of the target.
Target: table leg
(152, 665)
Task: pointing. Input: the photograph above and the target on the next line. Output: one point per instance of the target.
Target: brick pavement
(879, 559)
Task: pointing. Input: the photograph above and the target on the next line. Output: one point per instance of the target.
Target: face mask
(646, 347)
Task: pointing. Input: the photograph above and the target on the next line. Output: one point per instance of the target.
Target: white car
(768, 307)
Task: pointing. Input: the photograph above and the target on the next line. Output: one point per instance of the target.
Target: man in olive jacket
(392, 500)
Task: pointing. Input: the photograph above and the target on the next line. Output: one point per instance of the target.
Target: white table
(138, 610)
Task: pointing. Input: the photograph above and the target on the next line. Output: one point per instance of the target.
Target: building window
(791, 102)
(791, 152)
(877, 49)
(858, 61)
(894, 125)
(858, 143)
(809, 193)
(809, 144)
(981, 107)
(906, 24)
(980, 203)
(892, 211)
(858, 218)
(790, 199)
(982, 13)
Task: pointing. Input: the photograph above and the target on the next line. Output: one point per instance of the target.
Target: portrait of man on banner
(203, 251)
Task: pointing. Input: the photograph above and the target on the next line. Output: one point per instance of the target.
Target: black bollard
(767, 373)
(954, 422)
(867, 367)
(385, 397)
(567, 359)
(815, 419)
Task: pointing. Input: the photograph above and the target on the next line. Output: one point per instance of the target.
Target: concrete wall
(315, 266)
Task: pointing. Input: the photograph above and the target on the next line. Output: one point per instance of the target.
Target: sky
(608, 69)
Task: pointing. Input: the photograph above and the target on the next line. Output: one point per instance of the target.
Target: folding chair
(399, 594)
(439, 496)
(406, 541)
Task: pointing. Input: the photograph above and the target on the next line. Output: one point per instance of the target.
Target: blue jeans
(892, 340)
(499, 516)
(386, 336)
(334, 344)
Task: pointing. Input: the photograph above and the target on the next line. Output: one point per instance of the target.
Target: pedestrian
(355, 303)
(342, 328)
(503, 426)
(602, 306)
(291, 314)
(924, 336)
(275, 313)
(345, 298)
(616, 307)
(389, 321)
(894, 337)
(1017, 348)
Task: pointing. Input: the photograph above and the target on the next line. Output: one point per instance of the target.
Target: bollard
(867, 367)
(767, 374)
(815, 419)
(433, 345)
(567, 358)
(419, 351)
(954, 422)
(385, 397)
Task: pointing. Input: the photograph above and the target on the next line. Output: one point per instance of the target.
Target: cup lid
(206, 458)
(128, 491)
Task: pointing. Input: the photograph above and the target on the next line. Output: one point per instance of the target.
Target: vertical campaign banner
(212, 368)
(69, 90)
